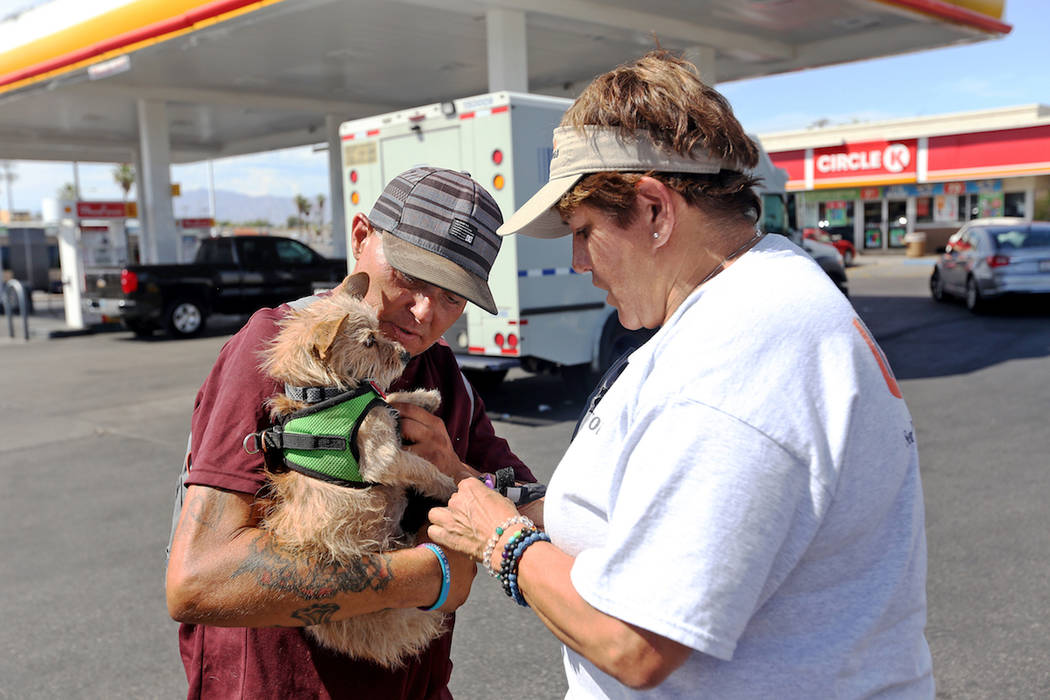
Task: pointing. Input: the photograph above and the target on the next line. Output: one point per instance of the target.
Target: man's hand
(427, 437)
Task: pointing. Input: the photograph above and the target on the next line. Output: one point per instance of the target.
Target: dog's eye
(369, 341)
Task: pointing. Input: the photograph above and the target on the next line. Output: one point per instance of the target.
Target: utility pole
(8, 177)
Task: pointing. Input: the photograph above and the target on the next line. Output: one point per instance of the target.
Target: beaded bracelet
(491, 545)
(446, 576)
(508, 566)
(512, 558)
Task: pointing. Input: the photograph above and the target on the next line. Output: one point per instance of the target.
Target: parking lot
(95, 427)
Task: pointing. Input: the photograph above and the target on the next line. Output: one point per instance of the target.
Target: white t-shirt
(749, 487)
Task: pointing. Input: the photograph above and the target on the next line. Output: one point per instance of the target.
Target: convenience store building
(875, 183)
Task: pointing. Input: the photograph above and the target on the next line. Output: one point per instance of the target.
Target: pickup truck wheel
(185, 318)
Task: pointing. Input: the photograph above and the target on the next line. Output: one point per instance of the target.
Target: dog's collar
(317, 394)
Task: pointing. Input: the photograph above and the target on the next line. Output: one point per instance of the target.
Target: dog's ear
(356, 285)
(325, 334)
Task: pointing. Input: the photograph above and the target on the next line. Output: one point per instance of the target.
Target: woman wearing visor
(739, 514)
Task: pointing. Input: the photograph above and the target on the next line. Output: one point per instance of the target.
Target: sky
(1001, 73)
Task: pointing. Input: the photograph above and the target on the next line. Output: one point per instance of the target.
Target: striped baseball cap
(440, 226)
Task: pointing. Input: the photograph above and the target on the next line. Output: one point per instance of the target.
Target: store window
(774, 214)
(836, 219)
(1014, 204)
(923, 210)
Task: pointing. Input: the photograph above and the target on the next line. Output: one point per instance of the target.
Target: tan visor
(595, 149)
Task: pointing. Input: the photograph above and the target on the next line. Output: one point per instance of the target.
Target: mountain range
(239, 208)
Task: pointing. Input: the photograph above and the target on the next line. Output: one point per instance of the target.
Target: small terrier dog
(335, 342)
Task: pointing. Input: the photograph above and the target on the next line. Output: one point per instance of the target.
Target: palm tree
(320, 213)
(302, 204)
(67, 191)
(124, 174)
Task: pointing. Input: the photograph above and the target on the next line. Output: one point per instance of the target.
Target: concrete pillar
(69, 257)
(508, 60)
(703, 57)
(335, 185)
(144, 233)
(156, 214)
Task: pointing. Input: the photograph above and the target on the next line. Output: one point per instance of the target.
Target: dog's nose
(405, 357)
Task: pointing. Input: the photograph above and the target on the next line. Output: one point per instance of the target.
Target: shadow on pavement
(923, 338)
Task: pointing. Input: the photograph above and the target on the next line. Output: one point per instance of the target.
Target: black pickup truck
(230, 275)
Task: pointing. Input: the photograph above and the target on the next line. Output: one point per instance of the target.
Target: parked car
(992, 258)
(842, 245)
(231, 275)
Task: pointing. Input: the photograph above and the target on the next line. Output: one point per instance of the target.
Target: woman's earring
(655, 234)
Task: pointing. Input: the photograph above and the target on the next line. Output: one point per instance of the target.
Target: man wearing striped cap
(427, 246)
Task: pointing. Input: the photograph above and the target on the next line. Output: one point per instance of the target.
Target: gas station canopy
(243, 76)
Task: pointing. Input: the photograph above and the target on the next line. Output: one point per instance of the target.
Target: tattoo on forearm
(316, 614)
(205, 511)
(278, 570)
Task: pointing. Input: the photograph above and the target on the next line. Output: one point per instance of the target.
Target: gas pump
(191, 231)
(90, 235)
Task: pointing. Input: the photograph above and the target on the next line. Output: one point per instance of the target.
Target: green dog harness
(321, 440)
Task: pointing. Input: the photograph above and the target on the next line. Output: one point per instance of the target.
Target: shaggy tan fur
(335, 341)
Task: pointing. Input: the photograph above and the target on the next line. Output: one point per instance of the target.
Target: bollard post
(23, 307)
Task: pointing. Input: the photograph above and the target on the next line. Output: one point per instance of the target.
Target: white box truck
(548, 316)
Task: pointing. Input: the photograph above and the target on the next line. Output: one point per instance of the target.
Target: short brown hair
(662, 94)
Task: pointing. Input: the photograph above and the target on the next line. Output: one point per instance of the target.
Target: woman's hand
(471, 518)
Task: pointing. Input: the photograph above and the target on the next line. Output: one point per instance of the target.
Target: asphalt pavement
(95, 424)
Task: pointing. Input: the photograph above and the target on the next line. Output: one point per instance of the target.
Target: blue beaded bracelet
(446, 576)
(515, 559)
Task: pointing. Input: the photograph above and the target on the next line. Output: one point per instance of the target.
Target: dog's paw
(429, 399)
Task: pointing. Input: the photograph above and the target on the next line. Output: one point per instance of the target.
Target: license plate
(1044, 265)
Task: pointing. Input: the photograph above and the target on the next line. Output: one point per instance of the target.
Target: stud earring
(655, 234)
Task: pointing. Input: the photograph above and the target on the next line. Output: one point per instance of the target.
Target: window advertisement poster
(873, 237)
(897, 236)
(835, 213)
(991, 203)
(946, 208)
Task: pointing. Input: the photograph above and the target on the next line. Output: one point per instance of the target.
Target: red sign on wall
(889, 160)
(102, 210)
(196, 223)
(1020, 151)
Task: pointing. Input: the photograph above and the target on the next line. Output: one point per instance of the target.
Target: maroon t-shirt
(279, 662)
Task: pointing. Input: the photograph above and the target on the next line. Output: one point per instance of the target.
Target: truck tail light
(353, 176)
(998, 260)
(499, 340)
(512, 341)
(498, 182)
(129, 281)
(497, 156)
(355, 198)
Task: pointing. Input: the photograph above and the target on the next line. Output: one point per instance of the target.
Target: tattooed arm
(225, 571)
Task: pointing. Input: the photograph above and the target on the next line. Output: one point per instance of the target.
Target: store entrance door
(874, 226)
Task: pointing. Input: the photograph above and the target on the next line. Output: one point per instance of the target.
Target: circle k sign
(858, 159)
